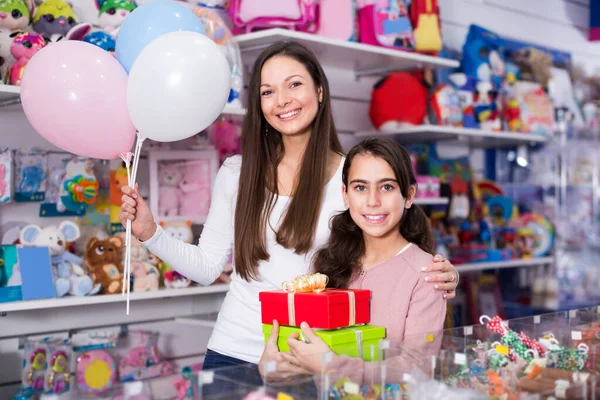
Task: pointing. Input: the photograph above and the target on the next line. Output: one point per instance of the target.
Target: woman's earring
(267, 130)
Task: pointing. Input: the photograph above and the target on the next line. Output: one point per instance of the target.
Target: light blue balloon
(150, 21)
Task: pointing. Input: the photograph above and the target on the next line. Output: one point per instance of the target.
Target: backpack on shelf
(425, 20)
(251, 15)
(385, 23)
(338, 19)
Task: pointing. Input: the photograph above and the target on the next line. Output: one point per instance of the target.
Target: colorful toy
(59, 376)
(183, 231)
(78, 32)
(103, 258)
(35, 366)
(543, 233)
(142, 361)
(53, 16)
(24, 46)
(79, 188)
(170, 177)
(6, 58)
(96, 372)
(69, 276)
(30, 182)
(195, 188)
(249, 15)
(428, 187)
(447, 107)
(145, 275)
(5, 176)
(386, 25)
(15, 14)
(112, 13)
(482, 55)
(102, 40)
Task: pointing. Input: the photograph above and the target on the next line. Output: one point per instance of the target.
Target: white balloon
(178, 86)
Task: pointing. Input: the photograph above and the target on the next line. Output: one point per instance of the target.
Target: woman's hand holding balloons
(135, 209)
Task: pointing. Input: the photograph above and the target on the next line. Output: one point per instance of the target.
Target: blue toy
(102, 40)
(483, 56)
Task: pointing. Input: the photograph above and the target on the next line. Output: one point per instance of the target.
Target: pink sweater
(407, 306)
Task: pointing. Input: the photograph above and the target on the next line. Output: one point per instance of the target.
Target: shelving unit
(363, 59)
(432, 201)
(476, 138)
(529, 262)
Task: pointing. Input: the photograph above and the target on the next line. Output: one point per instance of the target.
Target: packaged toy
(5, 176)
(398, 99)
(338, 20)
(181, 230)
(24, 46)
(446, 106)
(428, 187)
(79, 187)
(217, 30)
(385, 23)
(96, 372)
(16, 14)
(249, 15)
(10, 274)
(536, 109)
(112, 13)
(35, 363)
(465, 87)
(142, 360)
(103, 258)
(30, 182)
(145, 274)
(69, 276)
(58, 374)
(483, 56)
(195, 188)
(427, 28)
(170, 195)
(53, 16)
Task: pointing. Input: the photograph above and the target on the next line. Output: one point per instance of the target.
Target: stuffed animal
(112, 13)
(6, 57)
(24, 46)
(15, 14)
(169, 194)
(145, 275)
(103, 258)
(78, 32)
(535, 65)
(195, 187)
(53, 16)
(69, 276)
(181, 230)
(102, 40)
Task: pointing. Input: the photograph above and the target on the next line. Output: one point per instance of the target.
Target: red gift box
(328, 309)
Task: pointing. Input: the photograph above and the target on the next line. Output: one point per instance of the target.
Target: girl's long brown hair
(340, 258)
(262, 151)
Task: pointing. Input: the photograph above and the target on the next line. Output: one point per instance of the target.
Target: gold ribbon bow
(306, 283)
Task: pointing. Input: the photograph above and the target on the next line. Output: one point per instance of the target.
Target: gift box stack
(338, 316)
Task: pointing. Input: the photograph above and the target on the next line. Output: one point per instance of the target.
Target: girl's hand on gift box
(447, 281)
(284, 369)
(306, 355)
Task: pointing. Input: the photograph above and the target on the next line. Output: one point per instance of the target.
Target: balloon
(74, 95)
(178, 86)
(150, 21)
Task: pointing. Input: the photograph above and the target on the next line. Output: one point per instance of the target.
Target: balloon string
(136, 160)
(127, 230)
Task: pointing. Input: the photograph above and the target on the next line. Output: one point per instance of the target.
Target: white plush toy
(69, 276)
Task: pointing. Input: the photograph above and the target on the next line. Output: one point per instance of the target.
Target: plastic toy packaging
(58, 375)
(30, 182)
(35, 364)
(142, 360)
(5, 176)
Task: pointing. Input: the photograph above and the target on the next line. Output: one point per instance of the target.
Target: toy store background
(505, 143)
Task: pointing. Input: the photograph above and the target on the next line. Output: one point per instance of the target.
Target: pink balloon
(75, 96)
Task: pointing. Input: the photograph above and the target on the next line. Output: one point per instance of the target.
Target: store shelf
(203, 321)
(74, 301)
(9, 93)
(530, 262)
(432, 201)
(361, 58)
(474, 137)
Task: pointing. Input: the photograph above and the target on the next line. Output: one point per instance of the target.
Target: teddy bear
(69, 276)
(145, 275)
(195, 187)
(103, 258)
(169, 193)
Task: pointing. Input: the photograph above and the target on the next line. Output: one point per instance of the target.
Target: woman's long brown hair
(340, 258)
(262, 151)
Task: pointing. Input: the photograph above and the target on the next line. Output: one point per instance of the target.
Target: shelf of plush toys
(544, 356)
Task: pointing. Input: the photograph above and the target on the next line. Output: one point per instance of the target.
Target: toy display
(183, 231)
(96, 372)
(103, 258)
(58, 375)
(30, 172)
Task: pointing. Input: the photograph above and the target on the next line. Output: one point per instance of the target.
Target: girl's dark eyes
(266, 92)
(388, 187)
(295, 84)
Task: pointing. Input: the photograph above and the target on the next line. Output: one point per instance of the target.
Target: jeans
(233, 378)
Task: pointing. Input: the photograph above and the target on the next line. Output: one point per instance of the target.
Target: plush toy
(69, 275)
(24, 46)
(226, 137)
(398, 99)
(195, 187)
(102, 40)
(53, 16)
(6, 58)
(169, 193)
(181, 230)
(103, 258)
(15, 14)
(535, 65)
(112, 13)
(78, 32)
(145, 275)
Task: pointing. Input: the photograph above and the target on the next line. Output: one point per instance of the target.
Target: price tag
(576, 335)
(536, 319)
(502, 350)
(572, 313)
(468, 330)
(460, 358)
(206, 377)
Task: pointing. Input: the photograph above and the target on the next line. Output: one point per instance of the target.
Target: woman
(274, 202)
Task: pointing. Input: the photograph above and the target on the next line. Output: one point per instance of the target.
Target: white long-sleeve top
(238, 330)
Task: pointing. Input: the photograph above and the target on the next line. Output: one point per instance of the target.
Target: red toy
(400, 98)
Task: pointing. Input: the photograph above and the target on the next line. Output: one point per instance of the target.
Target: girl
(263, 202)
(379, 243)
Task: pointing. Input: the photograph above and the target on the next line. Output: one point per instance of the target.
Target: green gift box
(360, 341)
